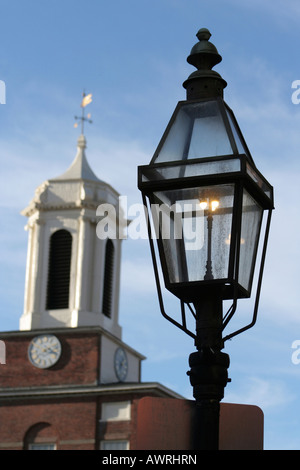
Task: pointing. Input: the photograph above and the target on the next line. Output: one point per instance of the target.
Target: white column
(83, 269)
(28, 277)
(34, 277)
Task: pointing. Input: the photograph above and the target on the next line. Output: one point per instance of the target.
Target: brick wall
(70, 424)
(79, 362)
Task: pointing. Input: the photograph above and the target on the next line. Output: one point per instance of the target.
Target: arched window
(41, 436)
(59, 270)
(108, 278)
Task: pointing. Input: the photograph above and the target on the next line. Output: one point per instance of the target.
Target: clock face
(121, 364)
(44, 351)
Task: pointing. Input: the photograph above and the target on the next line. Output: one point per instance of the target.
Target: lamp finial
(204, 83)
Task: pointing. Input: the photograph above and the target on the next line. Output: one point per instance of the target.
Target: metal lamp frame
(148, 187)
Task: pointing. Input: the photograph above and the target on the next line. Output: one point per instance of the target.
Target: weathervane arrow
(87, 99)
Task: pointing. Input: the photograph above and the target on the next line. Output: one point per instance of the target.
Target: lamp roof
(201, 129)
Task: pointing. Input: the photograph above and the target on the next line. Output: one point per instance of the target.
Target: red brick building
(65, 406)
(69, 381)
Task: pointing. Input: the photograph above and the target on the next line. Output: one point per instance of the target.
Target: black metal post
(208, 374)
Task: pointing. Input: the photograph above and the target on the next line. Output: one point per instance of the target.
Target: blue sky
(132, 56)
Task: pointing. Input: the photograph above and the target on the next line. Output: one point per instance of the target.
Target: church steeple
(80, 168)
(66, 260)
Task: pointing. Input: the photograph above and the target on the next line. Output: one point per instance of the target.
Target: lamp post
(205, 202)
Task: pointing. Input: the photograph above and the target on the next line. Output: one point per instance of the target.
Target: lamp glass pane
(241, 148)
(198, 130)
(250, 230)
(194, 225)
(213, 167)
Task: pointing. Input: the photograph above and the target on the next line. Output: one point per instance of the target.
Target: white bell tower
(72, 276)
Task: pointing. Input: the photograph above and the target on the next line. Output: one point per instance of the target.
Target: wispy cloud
(261, 392)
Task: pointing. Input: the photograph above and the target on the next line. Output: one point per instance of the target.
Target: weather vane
(87, 99)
